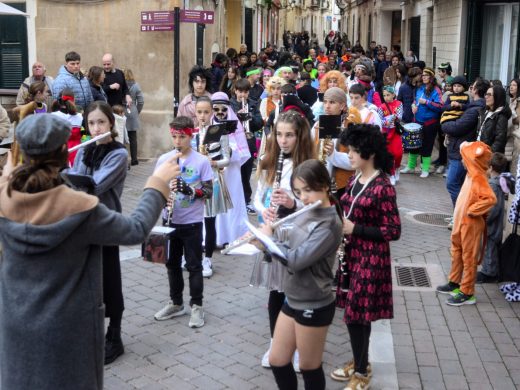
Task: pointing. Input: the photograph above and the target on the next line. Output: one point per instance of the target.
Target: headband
(283, 69)
(361, 66)
(294, 108)
(66, 97)
(220, 101)
(429, 71)
(252, 72)
(186, 130)
(389, 88)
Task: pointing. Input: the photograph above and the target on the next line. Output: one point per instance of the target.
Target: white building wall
(449, 33)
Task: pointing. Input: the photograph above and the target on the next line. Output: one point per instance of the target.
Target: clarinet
(172, 195)
(277, 179)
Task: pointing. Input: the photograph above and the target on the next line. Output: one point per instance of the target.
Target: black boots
(113, 345)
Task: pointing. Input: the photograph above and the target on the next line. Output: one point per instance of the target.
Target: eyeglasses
(223, 109)
(488, 95)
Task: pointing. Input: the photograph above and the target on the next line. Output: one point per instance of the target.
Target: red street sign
(196, 16)
(156, 27)
(157, 17)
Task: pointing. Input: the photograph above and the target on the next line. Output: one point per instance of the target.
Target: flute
(90, 141)
(244, 241)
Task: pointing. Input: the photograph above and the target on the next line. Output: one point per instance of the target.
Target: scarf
(94, 154)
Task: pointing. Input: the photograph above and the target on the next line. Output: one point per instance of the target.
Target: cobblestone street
(427, 345)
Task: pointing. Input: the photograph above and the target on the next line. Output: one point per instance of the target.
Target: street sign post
(165, 21)
(156, 21)
(197, 16)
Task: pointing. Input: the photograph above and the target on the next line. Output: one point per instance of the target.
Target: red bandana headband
(66, 97)
(186, 130)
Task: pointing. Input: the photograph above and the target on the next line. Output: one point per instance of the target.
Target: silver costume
(220, 202)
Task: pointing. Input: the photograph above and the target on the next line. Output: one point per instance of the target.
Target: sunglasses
(223, 109)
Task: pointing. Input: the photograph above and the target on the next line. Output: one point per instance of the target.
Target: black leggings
(112, 286)
(360, 340)
(429, 134)
(274, 306)
(210, 240)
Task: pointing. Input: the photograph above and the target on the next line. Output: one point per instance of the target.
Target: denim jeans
(455, 178)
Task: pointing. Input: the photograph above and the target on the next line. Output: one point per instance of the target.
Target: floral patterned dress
(366, 262)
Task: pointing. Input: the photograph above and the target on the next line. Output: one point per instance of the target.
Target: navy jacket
(462, 129)
(406, 96)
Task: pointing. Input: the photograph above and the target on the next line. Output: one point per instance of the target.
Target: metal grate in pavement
(432, 218)
(412, 276)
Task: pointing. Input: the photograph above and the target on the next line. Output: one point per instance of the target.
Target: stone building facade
(478, 37)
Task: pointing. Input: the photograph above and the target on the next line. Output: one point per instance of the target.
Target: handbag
(156, 248)
(509, 257)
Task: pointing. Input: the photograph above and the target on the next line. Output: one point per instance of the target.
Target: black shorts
(321, 316)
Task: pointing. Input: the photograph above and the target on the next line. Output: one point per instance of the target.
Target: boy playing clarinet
(185, 213)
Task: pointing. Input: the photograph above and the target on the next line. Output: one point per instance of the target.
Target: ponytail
(38, 173)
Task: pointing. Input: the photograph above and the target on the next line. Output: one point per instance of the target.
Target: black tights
(274, 306)
(285, 378)
(359, 340)
(210, 240)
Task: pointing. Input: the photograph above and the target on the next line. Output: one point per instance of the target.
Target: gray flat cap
(42, 133)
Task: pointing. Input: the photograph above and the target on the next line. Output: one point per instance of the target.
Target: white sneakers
(440, 169)
(169, 311)
(392, 180)
(296, 359)
(265, 358)
(424, 174)
(197, 317)
(207, 267)
(407, 169)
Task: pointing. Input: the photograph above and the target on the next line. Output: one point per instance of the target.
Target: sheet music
(266, 240)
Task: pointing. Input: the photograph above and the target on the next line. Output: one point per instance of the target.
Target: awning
(8, 10)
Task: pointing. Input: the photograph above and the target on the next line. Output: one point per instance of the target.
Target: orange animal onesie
(475, 200)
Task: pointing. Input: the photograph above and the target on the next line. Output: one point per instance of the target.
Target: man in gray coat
(38, 74)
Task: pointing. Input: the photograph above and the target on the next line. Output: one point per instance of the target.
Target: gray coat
(52, 322)
(132, 117)
(109, 178)
(311, 252)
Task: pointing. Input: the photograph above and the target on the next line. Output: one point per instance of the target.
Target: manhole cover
(412, 276)
(432, 218)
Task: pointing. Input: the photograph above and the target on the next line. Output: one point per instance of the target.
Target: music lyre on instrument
(244, 118)
(329, 127)
(280, 222)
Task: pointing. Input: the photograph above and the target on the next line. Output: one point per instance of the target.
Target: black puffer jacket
(492, 129)
(463, 129)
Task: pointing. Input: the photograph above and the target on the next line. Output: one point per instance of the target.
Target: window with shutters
(13, 49)
(415, 34)
(493, 43)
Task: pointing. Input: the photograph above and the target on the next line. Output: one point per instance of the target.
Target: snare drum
(412, 136)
